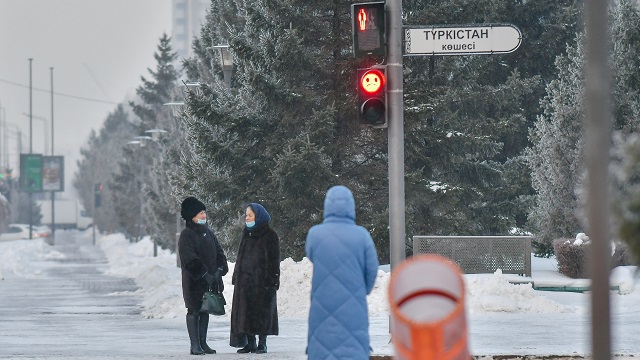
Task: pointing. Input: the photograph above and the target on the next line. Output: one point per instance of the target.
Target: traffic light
(97, 195)
(368, 25)
(372, 99)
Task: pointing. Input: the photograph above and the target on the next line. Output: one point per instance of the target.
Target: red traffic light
(372, 81)
(372, 106)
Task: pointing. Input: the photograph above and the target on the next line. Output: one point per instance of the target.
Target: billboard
(53, 173)
(30, 172)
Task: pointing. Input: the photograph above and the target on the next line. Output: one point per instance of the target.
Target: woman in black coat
(203, 264)
(256, 278)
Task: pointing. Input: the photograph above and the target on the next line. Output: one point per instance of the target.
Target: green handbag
(213, 303)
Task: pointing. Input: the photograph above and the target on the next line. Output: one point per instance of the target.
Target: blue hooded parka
(345, 266)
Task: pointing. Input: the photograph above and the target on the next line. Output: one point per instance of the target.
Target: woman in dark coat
(256, 278)
(203, 264)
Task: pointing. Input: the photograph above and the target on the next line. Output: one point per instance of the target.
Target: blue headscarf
(262, 216)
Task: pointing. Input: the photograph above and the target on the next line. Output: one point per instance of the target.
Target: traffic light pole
(396, 133)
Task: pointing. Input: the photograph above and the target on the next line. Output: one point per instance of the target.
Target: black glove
(218, 276)
(210, 279)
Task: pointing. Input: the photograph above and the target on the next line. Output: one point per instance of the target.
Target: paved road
(68, 313)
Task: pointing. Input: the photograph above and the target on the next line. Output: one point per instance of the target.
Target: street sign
(461, 40)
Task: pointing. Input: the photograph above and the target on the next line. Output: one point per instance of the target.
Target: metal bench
(480, 254)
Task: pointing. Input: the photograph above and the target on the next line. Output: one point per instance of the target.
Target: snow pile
(19, 258)
(496, 294)
(581, 238)
(159, 281)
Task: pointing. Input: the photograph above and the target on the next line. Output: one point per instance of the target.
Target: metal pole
(3, 115)
(30, 144)
(30, 108)
(6, 144)
(597, 144)
(53, 198)
(93, 212)
(396, 134)
(141, 196)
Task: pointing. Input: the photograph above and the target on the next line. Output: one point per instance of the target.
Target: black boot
(251, 345)
(262, 345)
(192, 328)
(204, 326)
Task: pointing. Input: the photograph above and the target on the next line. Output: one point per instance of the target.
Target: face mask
(202, 221)
(251, 224)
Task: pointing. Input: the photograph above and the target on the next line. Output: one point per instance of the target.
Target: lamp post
(174, 105)
(3, 116)
(30, 142)
(142, 142)
(226, 62)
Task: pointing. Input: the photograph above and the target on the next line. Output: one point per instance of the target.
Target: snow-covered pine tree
(160, 207)
(467, 117)
(99, 163)
(626, 145)
(293, 58)
(556, 154)
(290, 113)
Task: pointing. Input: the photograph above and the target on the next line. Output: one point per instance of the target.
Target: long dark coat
(256, 278)
(200, 252)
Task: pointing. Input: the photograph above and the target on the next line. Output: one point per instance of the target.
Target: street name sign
(461, 40)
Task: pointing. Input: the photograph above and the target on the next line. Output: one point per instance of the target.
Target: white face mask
(202, 221)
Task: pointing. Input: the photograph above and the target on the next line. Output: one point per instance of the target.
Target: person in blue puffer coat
(345, 266)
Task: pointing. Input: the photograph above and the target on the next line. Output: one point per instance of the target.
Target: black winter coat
(256, 278)
(199, 253)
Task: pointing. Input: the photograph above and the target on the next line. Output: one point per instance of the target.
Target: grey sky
(98, 49)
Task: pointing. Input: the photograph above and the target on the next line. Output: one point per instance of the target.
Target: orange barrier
(428, 320)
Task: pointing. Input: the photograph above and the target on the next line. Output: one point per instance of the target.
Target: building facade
(188, 17)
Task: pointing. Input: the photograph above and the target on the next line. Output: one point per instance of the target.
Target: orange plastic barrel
(428, 319)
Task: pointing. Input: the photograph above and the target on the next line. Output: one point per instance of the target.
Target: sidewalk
(67, 313)
(70, 309)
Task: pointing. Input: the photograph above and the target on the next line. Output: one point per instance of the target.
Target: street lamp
(226, 62)
(142, 142)
(155, 133)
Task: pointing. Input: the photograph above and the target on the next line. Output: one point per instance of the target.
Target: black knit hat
(190, 208)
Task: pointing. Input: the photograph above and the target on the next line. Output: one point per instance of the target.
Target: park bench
(480, 254)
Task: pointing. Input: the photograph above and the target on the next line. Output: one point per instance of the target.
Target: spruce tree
(99, 164)
(556, 156)
(626, 150)
(291, 115)
(159, 207)
(467, 118)
(287, 120)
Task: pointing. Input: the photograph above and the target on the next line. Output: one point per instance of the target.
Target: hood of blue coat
(339, 203)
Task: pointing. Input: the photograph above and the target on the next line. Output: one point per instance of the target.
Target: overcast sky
(99, 49)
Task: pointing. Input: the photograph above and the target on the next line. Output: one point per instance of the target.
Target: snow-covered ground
(503, 318)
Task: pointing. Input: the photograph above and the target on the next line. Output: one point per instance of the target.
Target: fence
(480, 254)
